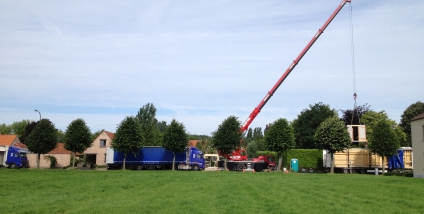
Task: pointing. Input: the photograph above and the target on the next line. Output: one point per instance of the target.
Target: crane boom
(256, 111)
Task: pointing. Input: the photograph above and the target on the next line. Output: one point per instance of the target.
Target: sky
(200, 62)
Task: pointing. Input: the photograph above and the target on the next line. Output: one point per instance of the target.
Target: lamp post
(38, 112)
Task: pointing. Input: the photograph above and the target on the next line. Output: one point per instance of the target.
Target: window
(102, 143)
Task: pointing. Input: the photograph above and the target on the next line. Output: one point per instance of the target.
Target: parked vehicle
(361, 160)
(13, 157)
(154, 157)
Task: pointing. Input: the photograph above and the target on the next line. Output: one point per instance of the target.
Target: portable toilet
(294, 164)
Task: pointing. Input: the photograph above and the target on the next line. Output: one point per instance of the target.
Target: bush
(52, 159)
(93, 166)
(308, 158)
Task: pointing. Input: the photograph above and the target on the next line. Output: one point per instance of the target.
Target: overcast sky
(202, 61)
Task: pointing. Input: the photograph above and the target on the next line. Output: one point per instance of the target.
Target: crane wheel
(240, 167)
(258, 167)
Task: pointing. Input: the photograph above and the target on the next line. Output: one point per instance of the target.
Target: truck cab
(16, 158)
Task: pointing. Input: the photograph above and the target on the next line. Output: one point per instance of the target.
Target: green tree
(332, 136)
(18, 127)
(248, 138)
(5, 129)
(128, 137)
(227, 137)
(371, 118)
(280, 138)
(147, 119)
(77, 138)
(60, 135)
(384, 140)
(175, 139)
(42, 139)
(354, 116)
(412, 111)
(308, 121)
(28, 130)
(161, 126)
(252, 149)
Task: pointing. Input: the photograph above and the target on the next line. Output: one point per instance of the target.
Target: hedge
(308, 158)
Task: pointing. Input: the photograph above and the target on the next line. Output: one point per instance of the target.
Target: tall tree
(280, 138)
(128, 137)
(412, 111)
(308, 121)
(28, 130)
(332, 136)
(384, 140)
(161, 126)
(42, 139)
(353, 116)
(371, 118)
(175, 139)
(5, 129)
(227, 137)
(60, 135)
(77, 138)
(147, 119)
(18, 127)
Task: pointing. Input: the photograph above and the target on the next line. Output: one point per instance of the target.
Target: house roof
(110, 134)
(7, 139)
(60, 149)
(193, 142)
(421, 116)
(20, 145)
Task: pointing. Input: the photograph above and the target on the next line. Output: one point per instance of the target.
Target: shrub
(52, 159)
(308, 158)
(93, 166)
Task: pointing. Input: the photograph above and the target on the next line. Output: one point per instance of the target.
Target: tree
(18, 127)
(175, 139)
(28, 130)
(308, 121)
(280, 138)
(371, 118)
(412, 111)
(77, 138)
(384, 140)
(353, 116)
(42, 139)
(128, 137)
(227, 137)
(147, 119)
(161, 126)
(332, 136)
(60, 135)
(251, 149)
(5, 129)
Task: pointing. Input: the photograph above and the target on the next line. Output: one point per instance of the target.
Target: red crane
(256, 111)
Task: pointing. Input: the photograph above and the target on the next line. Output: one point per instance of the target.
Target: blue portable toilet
(294, 164)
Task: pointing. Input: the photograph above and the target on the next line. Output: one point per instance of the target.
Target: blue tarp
(396, 161)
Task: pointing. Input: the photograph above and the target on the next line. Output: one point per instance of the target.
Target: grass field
(75, 191)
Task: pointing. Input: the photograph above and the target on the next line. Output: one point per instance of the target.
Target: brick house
(62, 156)
(96, 154)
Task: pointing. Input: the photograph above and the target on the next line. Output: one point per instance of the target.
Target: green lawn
(75, 191)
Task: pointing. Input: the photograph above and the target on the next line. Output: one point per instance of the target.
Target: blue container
(294, 164)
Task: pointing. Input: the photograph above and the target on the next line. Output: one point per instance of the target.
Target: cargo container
(361, 160)
(153, 157)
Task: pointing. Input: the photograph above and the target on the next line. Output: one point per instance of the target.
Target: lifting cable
(352, 52)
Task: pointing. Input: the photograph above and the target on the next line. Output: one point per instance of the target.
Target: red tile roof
(193, 142)
(20, 145)
(421, 116)
(60, 149)
(110, 134)
(8, 139)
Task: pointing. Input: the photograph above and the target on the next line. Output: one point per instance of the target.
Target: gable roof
(193, 142)
(8, 139)
(20, 145)
(421, 116)
(110, 134)
(60, 149)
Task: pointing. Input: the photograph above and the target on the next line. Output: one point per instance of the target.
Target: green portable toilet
(294, 164)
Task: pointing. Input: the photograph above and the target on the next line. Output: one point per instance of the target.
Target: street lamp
(39, 113)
